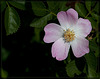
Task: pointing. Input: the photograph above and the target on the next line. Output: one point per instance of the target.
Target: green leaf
(96, 8)
(39, 8)
(4, 74)
(84, 70)
(41, 22)
(12, 20)
(69, 58)
(91, 73)
(5, 53)
(91, 60)
(53, 6)
(95, 16)
(93, 3)
(94, 48)
(37, 34)
(88, 5)
(62, 6)
(93, 45)
(3, 5)
(72, 69)
(92, 64)
(80, 8)
(18, 4)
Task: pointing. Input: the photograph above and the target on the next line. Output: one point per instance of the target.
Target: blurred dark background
(24, 53)
(24, 57)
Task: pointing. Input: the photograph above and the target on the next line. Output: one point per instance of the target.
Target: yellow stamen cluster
(69, 35)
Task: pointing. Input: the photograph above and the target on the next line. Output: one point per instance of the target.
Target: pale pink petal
(60, 49)
(83, 27)
(80, 47)
(52, 32)
(67, 19)
(62, 17)
(72, 16)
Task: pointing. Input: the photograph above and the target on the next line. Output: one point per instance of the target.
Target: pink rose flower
(71, 32)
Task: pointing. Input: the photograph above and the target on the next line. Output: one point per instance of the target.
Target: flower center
(69, 35)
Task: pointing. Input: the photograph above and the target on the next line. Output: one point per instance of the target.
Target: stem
(89, 13)
(53, 14)
(7, 4)
(50, 12)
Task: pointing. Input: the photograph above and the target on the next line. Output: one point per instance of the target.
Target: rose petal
(52, 32)
(72, 16)
(67, 19)
(60, 49)
(62, 17)
(80, 46)
(83, 27)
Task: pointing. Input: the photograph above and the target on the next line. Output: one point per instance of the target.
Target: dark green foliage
(41, 22)
(92, 64)
(72, 69)
(12, 20)
(24, 53)
(18, 4)
(80, 8)
(3, 5)
(39, 8)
